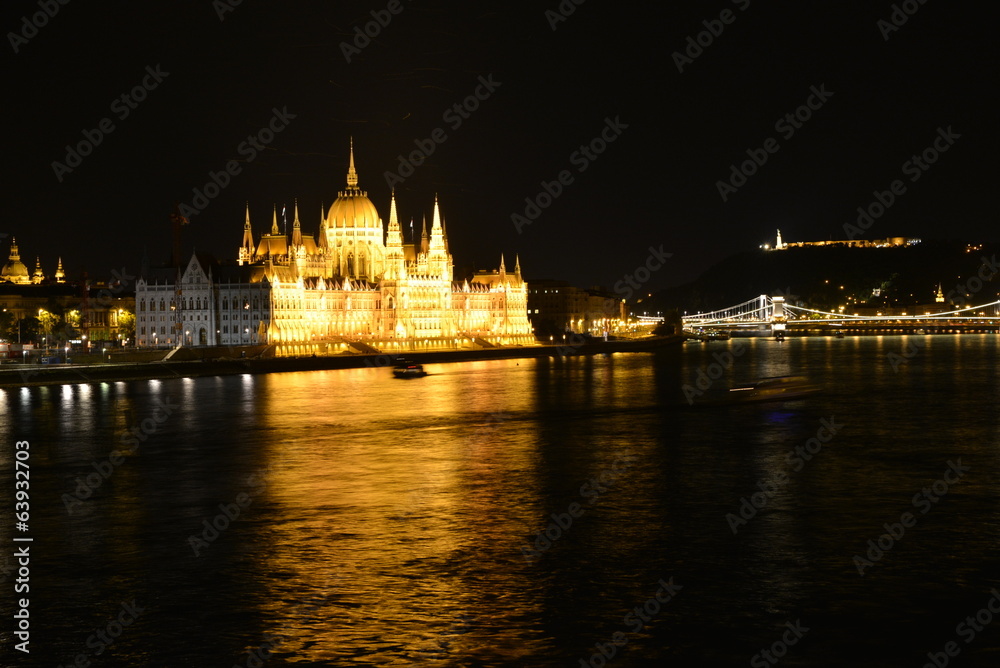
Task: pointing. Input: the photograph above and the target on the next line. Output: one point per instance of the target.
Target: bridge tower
(778, 318)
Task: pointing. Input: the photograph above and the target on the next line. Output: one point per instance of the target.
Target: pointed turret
(296, 227)
(246, 246)
(437, 233)
(323, 243)
(274, 222)
(503, 268)
(394, 238)
(517, 267)
(424, 246)
(60, 274)
(38, 276)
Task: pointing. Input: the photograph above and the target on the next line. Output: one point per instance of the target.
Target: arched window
(225, 303)
(163, 305)
(142, 304)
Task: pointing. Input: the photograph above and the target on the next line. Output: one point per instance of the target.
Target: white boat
(778, 388)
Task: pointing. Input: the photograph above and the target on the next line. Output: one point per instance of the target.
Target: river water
(518, 512)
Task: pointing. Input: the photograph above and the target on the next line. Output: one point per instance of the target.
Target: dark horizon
(542, 85)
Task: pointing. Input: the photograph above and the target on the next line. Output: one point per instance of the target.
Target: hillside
(825, 278)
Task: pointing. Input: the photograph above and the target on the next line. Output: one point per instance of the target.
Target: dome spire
(352, 174)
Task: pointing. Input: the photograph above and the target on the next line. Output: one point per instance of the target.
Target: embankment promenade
(222, 364)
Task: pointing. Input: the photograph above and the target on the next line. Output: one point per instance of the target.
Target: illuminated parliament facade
(354, 286)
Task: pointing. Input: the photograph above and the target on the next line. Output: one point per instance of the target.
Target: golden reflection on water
(397, 517)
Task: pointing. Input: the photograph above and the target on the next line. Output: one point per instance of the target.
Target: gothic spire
(296, 227)
(437, 234)
(352, 174)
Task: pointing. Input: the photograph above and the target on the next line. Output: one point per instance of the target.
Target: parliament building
(354, 286)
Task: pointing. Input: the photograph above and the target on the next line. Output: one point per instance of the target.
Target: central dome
(352, 207)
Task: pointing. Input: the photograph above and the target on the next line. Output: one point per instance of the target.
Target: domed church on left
(355, 284)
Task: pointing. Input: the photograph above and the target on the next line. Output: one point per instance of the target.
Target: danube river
(540, 512)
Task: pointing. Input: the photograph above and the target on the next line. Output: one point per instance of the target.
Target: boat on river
(409, 370)
(777, 388)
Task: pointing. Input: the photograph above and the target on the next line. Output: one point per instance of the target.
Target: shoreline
(66, 374)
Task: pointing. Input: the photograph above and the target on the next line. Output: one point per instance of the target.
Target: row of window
(197, 304)
(163, 330)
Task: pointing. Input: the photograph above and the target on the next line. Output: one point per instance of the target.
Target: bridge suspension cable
(759, 309)
(929, 316)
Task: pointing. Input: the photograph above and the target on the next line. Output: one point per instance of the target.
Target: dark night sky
(655, 185)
